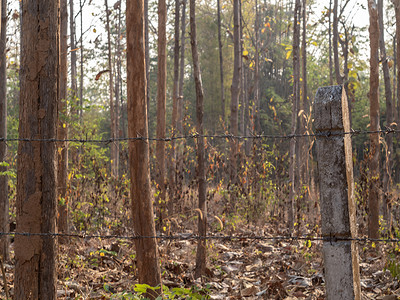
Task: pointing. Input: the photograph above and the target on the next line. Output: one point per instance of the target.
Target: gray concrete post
(338, 210)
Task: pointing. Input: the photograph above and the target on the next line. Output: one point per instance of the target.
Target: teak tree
(35, 271)
(142, 206)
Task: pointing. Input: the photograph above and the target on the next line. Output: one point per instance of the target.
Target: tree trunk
(142, 207)
(296, 100)
(114, 145)
(182, 68)
(256, 108)
(35, 256)
(175, 93)
(330, 44)
(118, 84)
(397, 13)
(81, 67)
(201, 171)
(242, 92)
(62, 134)
(161, 102)
(389, 117)
(4, 203)
(305, 107)
(221, 62)
(74, 85)
(147, 52)
(235, 88)
(373, 205)
(339, 78)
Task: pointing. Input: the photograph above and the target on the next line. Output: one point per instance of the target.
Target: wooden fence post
(338, 211)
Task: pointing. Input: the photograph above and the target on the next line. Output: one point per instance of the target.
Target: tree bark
(235, 88)
(161, 103)
(114, 145)
(296, 100)
(221, 62)
(35, 256)
(373, 205)
(389, 116)
(142, 208)
(4, 203)
(62, 134)
(201, 172)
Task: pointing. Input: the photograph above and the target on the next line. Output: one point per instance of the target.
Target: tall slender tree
(396, 4)
(142, 207)
(389, 114)
(114, 145)
(330, 42)
(62, 133)
(182, 68)
(373, 204)
(4, 203)
(256, 108)
(147, 51)
(201, 170)
(339, 78)
(235, 87)
(74, 85)
(161, 101)
(305, 105)
(35, 256)
(295, 106)
(174, 119)
(221, 62)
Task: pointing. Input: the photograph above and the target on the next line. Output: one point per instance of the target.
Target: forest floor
(237, 269)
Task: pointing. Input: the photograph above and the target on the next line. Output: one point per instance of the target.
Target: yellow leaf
(101, 254)
(94, 30)
(288, 54)
(245, 52)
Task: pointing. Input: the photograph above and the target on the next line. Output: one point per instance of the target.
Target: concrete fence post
(338, 210)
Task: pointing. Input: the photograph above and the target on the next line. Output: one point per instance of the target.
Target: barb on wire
(188, 236)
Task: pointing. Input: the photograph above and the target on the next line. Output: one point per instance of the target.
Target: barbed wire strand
(189, 236)
(228, 136)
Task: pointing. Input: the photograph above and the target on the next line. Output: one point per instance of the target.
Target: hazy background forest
(261, 180)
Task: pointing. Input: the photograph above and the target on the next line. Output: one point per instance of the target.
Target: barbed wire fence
(188, 236)
(228, 136)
